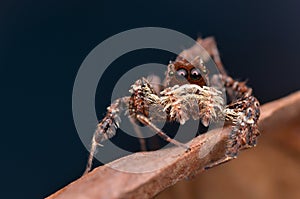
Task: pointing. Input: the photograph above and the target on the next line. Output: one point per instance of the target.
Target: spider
(188, 93)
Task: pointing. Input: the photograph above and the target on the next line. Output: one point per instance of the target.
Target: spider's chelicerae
(186, 86)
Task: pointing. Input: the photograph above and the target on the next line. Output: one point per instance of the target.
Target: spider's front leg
(107, 127)
(142, 99)
(243, 114)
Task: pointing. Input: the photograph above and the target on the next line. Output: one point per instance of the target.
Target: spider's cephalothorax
(187, 94)
(182, 72)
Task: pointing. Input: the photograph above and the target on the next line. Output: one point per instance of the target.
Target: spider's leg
(240, 89)
(210, 45)
(155, 83)
(107, 127)
(234, 88)
(144, 98)
(244, 114)
(221, 161)
(139, 134)
(159, 132)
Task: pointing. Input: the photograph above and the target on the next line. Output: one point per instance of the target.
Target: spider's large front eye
(195, 73)
(182, 72)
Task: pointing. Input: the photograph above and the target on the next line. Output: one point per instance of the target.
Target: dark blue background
(42, 45)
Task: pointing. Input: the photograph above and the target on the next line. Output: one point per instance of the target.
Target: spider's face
(183, 72)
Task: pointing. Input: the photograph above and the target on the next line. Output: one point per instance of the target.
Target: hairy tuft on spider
(187, 94)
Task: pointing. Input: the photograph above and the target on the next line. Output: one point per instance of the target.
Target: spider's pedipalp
(193, 101)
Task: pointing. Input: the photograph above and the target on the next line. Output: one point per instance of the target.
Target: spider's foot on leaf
(221, 161)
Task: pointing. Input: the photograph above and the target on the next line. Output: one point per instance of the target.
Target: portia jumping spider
(187, 86)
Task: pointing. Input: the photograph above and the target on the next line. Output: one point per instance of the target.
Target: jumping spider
(186, 86)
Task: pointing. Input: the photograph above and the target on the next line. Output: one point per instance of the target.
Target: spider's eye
(195, 73)
(182, 72)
